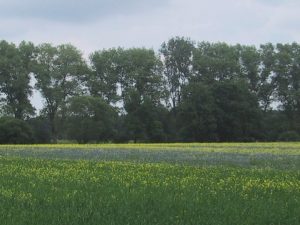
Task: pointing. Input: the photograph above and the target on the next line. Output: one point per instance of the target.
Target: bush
(41, 129)
(15, 131)
(289, 136)
(91, 120)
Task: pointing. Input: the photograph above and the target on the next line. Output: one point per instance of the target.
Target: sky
(96, 24)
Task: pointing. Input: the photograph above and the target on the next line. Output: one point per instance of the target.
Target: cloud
(77, 11)
(275, 2)
(97, 24)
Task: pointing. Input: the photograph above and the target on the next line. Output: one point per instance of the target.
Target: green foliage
(289, 136)
(287, 78)
(177, 58)
(41, 129)
(15, 78)
(142, 91)
(187, 92)
(216, 61)
(197, 113)
(238, 113)
(141, 74)
(58, 71)
(145, 120)
(224, 111)
(90, 119)
(15, 131)
(106, 74)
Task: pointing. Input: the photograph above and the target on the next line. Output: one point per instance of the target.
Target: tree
(91, 119)
(217, 61)
(142, 90)
(177, 56)
(58, 72)
(15, 68)
(274, 123)
(141, 73)
(104, 80)
(250, 67)
(41, 129)
(267, 84)
(256, 69)
(197, 113)
(15, 131)
(238, 113)
(145, 120)
(287, 79)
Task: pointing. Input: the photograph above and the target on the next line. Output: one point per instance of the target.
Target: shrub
(289, 136)
(15, 131)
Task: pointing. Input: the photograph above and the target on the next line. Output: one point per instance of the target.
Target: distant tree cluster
(186, 92)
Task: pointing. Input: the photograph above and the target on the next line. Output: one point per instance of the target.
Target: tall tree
(238, 113)
(15, 68)
(142, 89)
(267, 82)
(287, 78)
(177, 56)
(197, 113)
(250, 67)
(141, 73)
(256, 69)
(90, 119)
(216, 61)
(58, 71)
(104, 80)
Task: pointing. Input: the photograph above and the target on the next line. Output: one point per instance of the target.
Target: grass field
(238, 183)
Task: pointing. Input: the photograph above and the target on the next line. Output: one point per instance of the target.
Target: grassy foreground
(53, 188)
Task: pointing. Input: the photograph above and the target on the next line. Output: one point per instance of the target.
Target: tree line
(186, 91)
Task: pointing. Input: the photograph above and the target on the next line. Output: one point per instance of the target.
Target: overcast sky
(96, 24)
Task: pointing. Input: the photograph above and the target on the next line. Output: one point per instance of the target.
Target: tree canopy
(186, 91)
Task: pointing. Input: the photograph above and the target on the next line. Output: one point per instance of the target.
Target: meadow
(207, 183)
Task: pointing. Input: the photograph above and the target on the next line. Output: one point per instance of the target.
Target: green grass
(138, 184)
